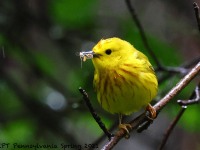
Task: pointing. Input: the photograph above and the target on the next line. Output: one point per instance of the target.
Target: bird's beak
(96, 55)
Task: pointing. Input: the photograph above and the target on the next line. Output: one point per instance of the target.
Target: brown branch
(158, 106)
(194, 99)
(170, 74)
(183, 83)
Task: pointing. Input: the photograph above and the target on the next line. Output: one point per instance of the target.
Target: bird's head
(110, 52)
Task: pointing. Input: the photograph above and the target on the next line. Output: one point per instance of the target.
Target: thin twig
(183, 70)
(191, 63)
(171, 70)
(171, 127)
(196, 10)
(194, 99)
(142, 33)
(158, 106)
(94, 114)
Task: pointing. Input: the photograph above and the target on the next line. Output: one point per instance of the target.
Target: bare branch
(178, 87)
(182, 70)
(194, 99)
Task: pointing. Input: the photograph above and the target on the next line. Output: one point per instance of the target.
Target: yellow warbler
(124, 78)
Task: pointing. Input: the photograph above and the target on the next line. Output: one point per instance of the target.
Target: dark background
(40, 72)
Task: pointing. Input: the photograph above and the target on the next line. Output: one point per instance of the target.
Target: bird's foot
(152, 112)
(126, 128)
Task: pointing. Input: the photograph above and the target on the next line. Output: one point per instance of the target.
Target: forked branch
(194, 99)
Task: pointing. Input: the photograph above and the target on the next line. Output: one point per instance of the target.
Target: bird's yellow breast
(125, 89)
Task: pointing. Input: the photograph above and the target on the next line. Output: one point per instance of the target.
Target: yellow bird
(124, 79)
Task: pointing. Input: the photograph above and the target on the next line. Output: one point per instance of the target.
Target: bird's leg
(151, 111)
(125, 127)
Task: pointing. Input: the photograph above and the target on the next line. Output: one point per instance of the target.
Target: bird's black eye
(108, 51)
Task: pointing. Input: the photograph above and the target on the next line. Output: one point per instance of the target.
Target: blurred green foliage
(73, 14)
(19, 130)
